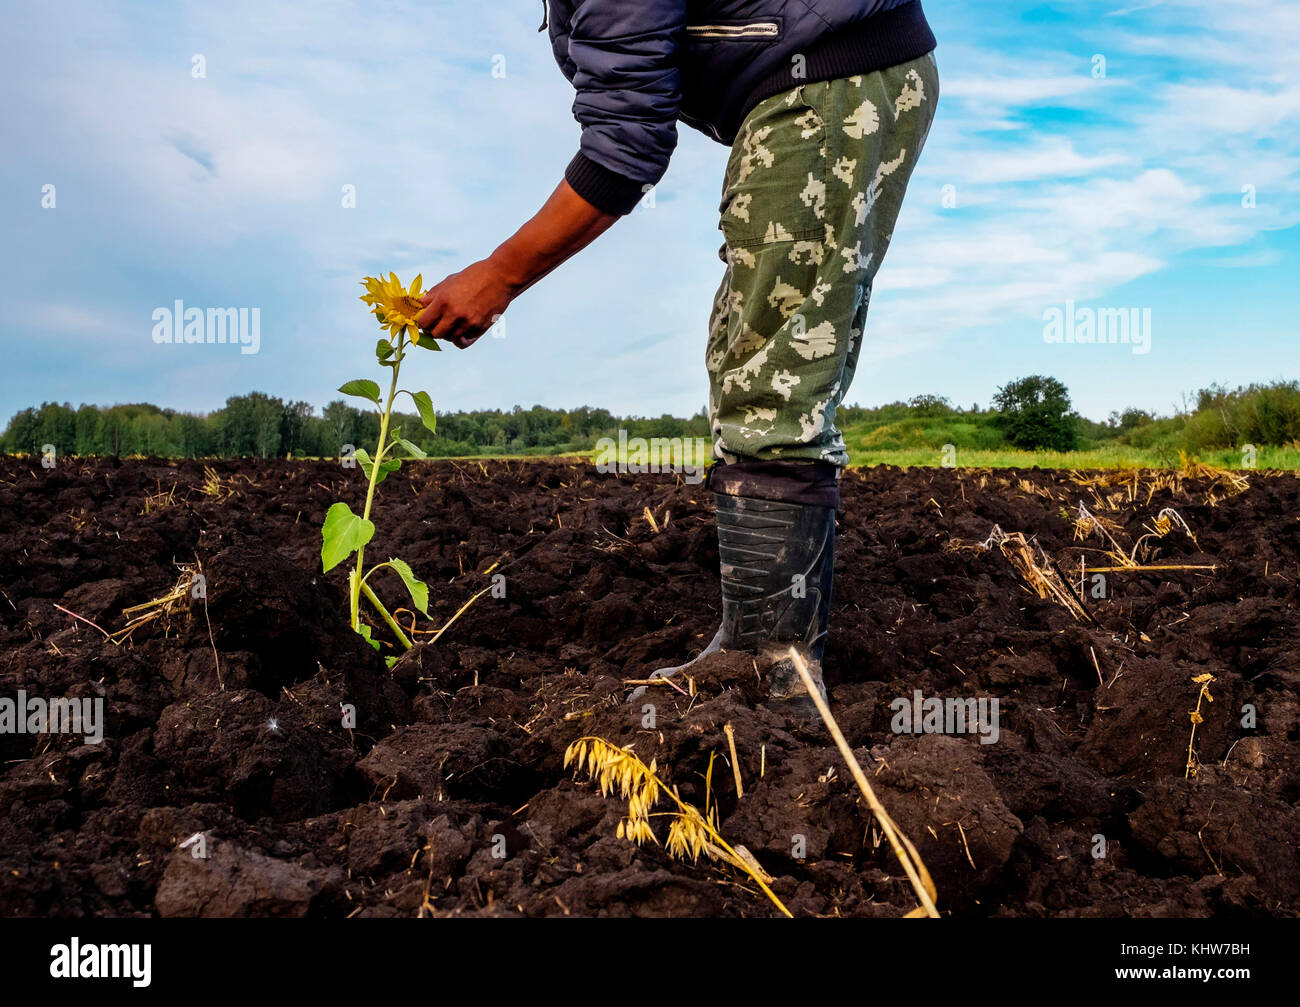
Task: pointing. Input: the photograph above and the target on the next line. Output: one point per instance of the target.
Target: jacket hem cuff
(606, 190)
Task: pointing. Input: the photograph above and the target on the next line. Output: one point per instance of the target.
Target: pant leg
(813, 188)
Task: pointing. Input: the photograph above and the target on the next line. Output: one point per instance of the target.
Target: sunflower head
(394, 306)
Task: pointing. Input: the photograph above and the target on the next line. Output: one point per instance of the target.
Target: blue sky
(1115, 191)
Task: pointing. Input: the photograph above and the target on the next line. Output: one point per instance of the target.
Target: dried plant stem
(1158, 566)
(176, 595)
(156, 608)
(216, 658)
(1041, 576)
(1204, 682)
(906, 853)
(459, 612)
(734, 858)
(82, 618)
(735, 762)
(618, 770)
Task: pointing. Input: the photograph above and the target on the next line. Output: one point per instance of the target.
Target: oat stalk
(618, 770)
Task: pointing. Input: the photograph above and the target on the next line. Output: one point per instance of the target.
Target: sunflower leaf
(425, 404)
(414, 450)
(364, 630)
(342, 534)
(418, 589)
(362, 388)
(386, 466)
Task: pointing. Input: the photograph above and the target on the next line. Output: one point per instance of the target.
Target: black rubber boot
(777, 571)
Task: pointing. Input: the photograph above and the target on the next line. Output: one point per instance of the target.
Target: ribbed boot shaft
(777, 564)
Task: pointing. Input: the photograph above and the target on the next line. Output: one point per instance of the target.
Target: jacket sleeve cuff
(606, 190)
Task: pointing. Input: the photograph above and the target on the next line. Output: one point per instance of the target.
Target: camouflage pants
(812, 191)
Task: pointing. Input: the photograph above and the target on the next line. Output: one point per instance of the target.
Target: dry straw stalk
(920, 878)
(618, 770)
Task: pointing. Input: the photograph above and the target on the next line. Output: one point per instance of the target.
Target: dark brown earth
(225, 717)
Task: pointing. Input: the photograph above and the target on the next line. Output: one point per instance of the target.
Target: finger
(447, 326)
(465, 332)
(469, 334)
(429, 315)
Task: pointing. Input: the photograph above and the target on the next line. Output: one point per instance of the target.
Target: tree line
(258, 425)
(1034, 413)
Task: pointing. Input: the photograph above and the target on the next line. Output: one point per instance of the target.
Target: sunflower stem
(355, 579)
(371, 597)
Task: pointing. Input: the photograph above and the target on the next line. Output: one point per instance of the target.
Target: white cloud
(78, 322)
(1125, 11)
(989, 163)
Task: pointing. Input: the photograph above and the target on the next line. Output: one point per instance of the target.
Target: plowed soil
(448, 795)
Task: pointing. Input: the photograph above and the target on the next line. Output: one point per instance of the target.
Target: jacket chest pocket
(762, 30)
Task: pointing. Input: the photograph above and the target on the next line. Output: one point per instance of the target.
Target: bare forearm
(564, 226)
(464, 305)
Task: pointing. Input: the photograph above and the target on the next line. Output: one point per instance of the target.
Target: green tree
(293, 426)
(1035, 413)
(22, 432)
(267, 412)
(929, 406)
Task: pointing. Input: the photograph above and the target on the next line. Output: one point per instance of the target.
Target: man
(826, 105)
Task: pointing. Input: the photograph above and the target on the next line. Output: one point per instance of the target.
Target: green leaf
(391, 660)
(384, 350)
(425, 405)
(386, 466)
(364, 630)
(414, 450)
(418, 589)
(428, 342)
(362, 388)
(342, 534)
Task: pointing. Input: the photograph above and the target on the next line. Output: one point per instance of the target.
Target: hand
(466, 304)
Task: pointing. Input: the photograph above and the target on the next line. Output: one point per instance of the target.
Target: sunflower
(394, 306)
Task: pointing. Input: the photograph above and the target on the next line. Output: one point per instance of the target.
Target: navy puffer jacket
(640, 65)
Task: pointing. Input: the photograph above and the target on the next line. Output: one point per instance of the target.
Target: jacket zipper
(755, 29)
